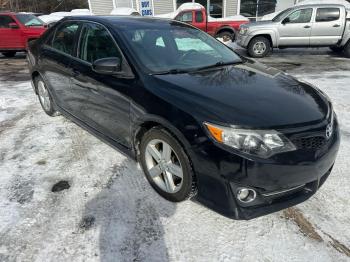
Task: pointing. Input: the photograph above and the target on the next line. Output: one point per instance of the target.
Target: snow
(128, 220)
(56, 16)
(123, 11)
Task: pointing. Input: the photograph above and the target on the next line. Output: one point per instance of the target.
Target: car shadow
(128, 215)
(18, 56)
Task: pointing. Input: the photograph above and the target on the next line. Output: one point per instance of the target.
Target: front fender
(272, 33)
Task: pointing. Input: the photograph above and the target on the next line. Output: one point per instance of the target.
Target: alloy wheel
(259, 48)
(164, 166)
(44, 96)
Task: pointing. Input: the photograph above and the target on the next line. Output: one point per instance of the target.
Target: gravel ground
(66, 196)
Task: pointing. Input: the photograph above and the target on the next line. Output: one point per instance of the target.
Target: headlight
(243, 30)
(259, 143)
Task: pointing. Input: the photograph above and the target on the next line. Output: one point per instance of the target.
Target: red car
(196, 15)
(17, 30)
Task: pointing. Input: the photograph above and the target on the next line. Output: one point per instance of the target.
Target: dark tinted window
(185, 17)
(199, 17)
(327, 14)
(96, 43)
(301, 16)
(64, 38)
(5, 20)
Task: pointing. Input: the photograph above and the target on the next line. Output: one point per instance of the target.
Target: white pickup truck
(300, 26)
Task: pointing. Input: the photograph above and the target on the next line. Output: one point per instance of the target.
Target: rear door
(328, 27)
(55, 59)
(297, 30)
(11, 38)
(101, 101)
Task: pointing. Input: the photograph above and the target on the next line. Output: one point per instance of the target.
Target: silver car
(299, 26)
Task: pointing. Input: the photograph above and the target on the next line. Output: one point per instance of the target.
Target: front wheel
(166, 165)
(259, 47)
(9, 54)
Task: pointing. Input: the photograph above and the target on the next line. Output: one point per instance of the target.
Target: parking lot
(103, 209)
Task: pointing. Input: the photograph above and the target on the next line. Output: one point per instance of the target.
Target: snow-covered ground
(110, 213)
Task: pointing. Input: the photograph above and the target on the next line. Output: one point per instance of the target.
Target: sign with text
(146, 8)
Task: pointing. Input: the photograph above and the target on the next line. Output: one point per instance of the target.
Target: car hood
(248, 94)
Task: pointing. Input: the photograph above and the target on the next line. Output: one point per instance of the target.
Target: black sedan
(204, 123)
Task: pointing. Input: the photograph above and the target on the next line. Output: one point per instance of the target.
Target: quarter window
(301, 16)
(327, 14)
(96, 43)
(199, 17)
(5, 21)
(64, 38)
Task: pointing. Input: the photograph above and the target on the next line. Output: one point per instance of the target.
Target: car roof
(318, 5)
(127, 21)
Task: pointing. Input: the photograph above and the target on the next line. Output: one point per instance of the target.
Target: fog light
(246, 195)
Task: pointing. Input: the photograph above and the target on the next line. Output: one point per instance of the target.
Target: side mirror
(13, 26)
(107, 66)
(286, 21)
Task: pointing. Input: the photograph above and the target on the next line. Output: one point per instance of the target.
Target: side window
(96, 43)
(199, 17)
(327, 14)
(5, 21)
(160, 42)
(64, 38)
(301, 16)
(185, 17)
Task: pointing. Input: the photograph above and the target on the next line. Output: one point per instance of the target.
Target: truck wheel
(347, 50)
(337, 49)
(259, 47)
(9, 54)
(226, 36)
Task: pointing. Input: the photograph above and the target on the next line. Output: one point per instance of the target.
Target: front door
(11, 38)
(295, 30)
(328, 27)
(103, 100)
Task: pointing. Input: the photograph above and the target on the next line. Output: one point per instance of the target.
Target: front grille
(314, 143)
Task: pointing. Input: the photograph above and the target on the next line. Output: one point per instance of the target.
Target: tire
(9, 54)
(44, 97)
(337, 49)
(347, 50)
(166, 165)
(226, 36)
(259, 47)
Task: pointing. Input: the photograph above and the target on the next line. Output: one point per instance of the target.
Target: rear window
(199, 17)
(327, 14)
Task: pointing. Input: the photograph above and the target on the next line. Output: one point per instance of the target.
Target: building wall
(101, 7)
(231, 7)
(163, 6)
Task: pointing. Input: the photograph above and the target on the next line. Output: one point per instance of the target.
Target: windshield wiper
(218, 64)
(173, 72)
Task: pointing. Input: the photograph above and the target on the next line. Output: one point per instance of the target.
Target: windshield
(176, 47)
(29, 20)
(279, 17)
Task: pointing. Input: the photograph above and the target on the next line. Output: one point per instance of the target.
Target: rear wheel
(166, 165)
(44, 96)
(337, 49)
(9, 54)
(259, 47)
(347, 50)
(226, 36)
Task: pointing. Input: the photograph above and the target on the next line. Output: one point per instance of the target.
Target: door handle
(336, 26)
(307, 26)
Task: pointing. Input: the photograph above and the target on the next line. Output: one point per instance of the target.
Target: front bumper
(243, 40)
(286, 180)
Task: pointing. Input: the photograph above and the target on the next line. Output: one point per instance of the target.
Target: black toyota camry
(203, 122)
